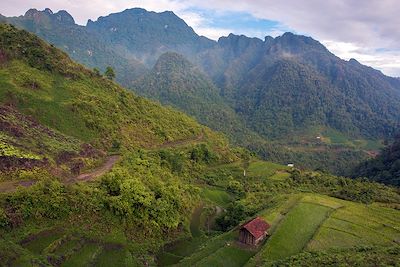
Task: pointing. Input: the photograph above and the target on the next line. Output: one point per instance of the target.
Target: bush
(3, 218)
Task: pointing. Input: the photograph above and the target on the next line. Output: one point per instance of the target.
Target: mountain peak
(61, 16)
(172, 61)
(297, 43)
(48, 11)
(238, 41)
(31, 12)
(354, 61)
(64, 16)
(135, 10)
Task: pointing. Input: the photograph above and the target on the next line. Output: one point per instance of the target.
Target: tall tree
(109, 73)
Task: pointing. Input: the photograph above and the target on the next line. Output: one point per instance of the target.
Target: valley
(209, 136)
(262, 94)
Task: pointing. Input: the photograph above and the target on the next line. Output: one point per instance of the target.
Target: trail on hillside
(11, 186)
(172, 144)
(110, 162)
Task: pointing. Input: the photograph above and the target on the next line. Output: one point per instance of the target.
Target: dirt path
(11, 186)
(184, 142)
(97, 172)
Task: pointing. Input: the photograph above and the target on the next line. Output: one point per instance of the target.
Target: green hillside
(43, 82)
(385, 168)
(84, 46)
(273, 96)
(176, 82)
(59, 120)
(92, 175)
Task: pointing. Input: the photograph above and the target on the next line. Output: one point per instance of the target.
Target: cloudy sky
(368, 30)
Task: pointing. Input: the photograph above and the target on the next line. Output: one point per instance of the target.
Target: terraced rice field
(295, 231)
(69, 250)
(312, 222)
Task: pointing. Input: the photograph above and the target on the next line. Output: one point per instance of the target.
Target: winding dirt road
(99, 171)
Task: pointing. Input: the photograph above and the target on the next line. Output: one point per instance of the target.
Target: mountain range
(92, 174)
(287, 98)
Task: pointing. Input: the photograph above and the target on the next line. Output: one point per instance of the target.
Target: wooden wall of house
(246, 237)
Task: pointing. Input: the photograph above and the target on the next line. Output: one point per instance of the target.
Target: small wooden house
(253, 231)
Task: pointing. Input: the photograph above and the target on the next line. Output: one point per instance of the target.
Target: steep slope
(86, 47)
(245, 69)
(146, 35)
(289, 90)
(26, 145)
(385, 168)
(50, 105)
(292, 83)
(41, 81)
(175, 81)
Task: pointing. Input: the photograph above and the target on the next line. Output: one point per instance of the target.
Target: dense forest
(385, 168)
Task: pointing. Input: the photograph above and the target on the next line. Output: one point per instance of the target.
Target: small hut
(253, 231)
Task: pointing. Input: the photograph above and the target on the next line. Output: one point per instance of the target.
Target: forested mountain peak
(146, 35)
(297, 43)
(171, 62)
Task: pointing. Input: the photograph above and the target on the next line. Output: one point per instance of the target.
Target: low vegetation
(178, 192)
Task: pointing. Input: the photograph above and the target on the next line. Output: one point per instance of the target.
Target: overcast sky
(368, 30)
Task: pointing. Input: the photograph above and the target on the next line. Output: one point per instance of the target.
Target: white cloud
(387, 61)
(213, 33)
(348, 24)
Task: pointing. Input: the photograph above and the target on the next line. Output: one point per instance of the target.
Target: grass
(8, 150)
(208, 248)
(296, 230)
(173, 253)
(112, 256)
(217, 196)
(84, 256)
(80, 108)
(280, 206)
(230, 256)
(42, 240)
(280, 176)
(66, 247)
(264, 168)
(301, 223)
(356, 224)
(335, 137)
(195, 222)
(167, 259)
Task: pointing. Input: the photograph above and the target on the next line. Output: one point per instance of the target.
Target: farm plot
(357, 224)
(218, 249)
(295, 231)
(216, 196)
(230, 255)
(264, 169)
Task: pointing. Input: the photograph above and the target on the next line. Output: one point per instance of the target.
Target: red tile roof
(257, 227)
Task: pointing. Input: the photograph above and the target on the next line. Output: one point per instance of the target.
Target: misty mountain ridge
(285, 90)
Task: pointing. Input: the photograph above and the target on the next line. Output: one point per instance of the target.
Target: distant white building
(291, 165)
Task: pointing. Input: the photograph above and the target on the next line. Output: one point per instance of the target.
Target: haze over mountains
(92, 174)
(277, 92)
